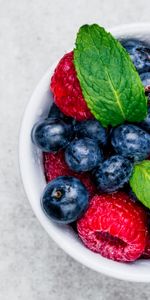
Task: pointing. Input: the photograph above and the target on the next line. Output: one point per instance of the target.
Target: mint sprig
(109, 81)
(140, 182)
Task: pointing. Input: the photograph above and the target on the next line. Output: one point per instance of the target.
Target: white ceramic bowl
(34, 181)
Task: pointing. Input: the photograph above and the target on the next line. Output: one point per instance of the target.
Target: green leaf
(140, 182)
(110, 83)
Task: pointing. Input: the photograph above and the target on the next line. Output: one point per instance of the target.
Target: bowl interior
(34, 182)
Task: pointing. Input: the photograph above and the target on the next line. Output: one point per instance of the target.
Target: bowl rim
(106, 266)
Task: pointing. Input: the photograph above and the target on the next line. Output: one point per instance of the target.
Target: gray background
(33, 34)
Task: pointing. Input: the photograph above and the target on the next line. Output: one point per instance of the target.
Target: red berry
(55, 165)
(67, 91)
(114, 226)
(146, 253)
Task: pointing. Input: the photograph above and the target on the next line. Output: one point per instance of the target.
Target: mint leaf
(140, 182)
(110, 83)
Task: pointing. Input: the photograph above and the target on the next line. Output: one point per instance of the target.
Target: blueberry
(65, 199)
(56, 113)
(139, 53)
(113, 173)
(131, 141)
(145, 77)
(51, 134)
(146, 123)
(83, 155)
(92, 129)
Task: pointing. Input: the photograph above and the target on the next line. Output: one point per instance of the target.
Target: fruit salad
(95, 142)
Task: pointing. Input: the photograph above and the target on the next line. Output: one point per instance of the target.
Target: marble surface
(33, 34)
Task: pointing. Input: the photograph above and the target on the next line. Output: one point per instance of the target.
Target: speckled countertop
(33, 34)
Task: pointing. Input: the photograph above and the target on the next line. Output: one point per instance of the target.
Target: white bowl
(34, 181)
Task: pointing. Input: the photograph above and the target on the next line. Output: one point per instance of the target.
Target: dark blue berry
(113, 173)
(139, 52)
(93, 130)
(83, 155)
(145, 77)
(131, 141)
(146, 123)
(65, 199)
(51, 134)
(56, 113)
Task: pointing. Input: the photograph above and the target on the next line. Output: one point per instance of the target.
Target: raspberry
(55, 165)
(67, 91)
(114, 226)
(146, 253)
